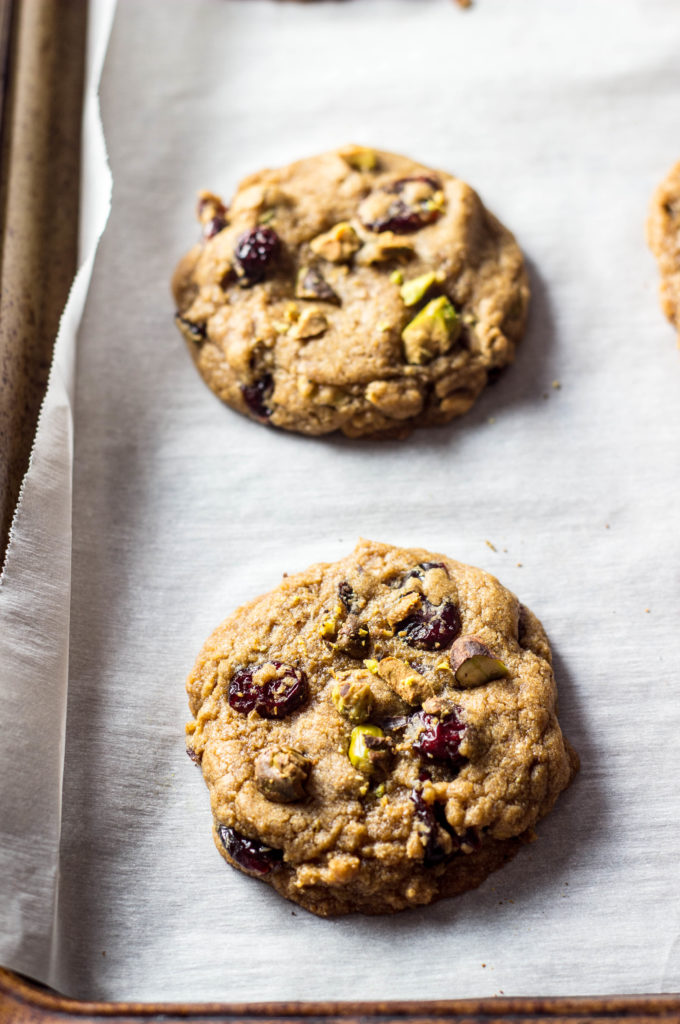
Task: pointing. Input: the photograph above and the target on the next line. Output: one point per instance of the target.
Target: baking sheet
(564, 117)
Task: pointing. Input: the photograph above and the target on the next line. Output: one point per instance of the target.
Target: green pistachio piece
(360, 158)
(369, 748)
(414, 290)
(432, 331)
(311, 284)
(474, 664)
(396, 277)
(353, 699)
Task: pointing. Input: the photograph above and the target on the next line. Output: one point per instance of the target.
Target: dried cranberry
(255, 251)
(196, 758)
(250, 854)
(255, 396)
(439, 739)
(403, 217)
(422, 568)
(275, 698)
(431, 627)
(214, 226)
(431, 816)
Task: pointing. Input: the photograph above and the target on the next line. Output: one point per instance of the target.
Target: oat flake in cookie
(663, 232)
(379, 732)
(355, 291)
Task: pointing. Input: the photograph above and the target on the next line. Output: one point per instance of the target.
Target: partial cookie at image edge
(663, 236)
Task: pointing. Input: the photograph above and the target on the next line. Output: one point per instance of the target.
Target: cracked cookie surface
(378, 732)
(663, 233)
(356, 291)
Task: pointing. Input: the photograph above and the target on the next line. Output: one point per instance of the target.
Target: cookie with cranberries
(356, 291)
(377, 733)
(663, 234)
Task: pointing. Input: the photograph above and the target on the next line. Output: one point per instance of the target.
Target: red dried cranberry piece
(255, 251)
(255, 396)
(434, 818)
(421, 569)
(250, 854)
(275, 698)
(214, 226)
(431, 815)
(439, 739)
(403, 218)
(431, 627)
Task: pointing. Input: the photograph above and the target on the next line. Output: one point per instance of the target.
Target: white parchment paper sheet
(564, 115)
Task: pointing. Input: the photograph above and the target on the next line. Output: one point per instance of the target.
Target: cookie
(663, 234)
(356, 291)
(379, 732)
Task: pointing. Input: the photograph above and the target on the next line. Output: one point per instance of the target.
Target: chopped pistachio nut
(474, 664)
(396, 277)
(267, 216)
(409, 684)
(360, 158)
(369, 749)
(328, 628)
(417, 288)
(353, 638)
(353, 699)
(385, 246)
(311, 284)
(337, 245)
(281, 774)
(311, 323)
(372, 665)
(432, 331)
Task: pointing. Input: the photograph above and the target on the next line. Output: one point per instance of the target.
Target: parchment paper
(564, 115)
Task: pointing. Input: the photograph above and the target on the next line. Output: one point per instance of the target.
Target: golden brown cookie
(355, 291)
(663, 234)
(378, 732)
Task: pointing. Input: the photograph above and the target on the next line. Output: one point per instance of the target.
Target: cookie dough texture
(312, 334)
(663, 233)
(383, 783)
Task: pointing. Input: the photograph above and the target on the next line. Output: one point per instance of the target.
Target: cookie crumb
(491, 419)
(464, 3)
(647, 611)
(606, 526)
(490, 545)
(556, 384)
(519, 565)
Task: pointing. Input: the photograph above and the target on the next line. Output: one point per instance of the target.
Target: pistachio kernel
(360, 158)
(474, 664)
(369, 749)
(353, 700)
(281, 774)
(353, 638)
(417, 288)
(311, 284)
(337, 245)
(432, 331)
